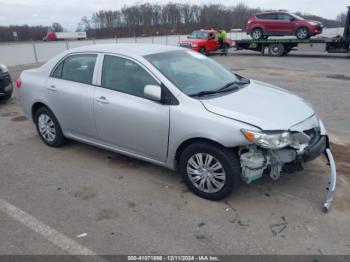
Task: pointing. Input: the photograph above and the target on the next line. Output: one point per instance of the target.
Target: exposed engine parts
(255, 160)
(253, 163)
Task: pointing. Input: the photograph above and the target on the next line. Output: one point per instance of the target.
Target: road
(79, 199)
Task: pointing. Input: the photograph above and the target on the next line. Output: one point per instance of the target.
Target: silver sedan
(175, 108)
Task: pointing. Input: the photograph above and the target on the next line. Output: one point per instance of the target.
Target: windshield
(297, 17)
(198, 35)
(192, 72)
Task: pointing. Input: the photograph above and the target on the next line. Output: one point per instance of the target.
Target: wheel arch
(258, 27)
(191, 141)
(36, 106)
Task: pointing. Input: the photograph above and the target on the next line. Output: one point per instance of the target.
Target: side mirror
(153, 92)
(188, 36)
(291, 19)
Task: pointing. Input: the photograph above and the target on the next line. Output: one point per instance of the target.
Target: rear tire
(48, 127)
(214, 179)
(302, 33)
(276, 49)
(257, 33)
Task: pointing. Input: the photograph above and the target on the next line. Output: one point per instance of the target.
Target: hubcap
(206, 173)
(46, 128)
(275, 49)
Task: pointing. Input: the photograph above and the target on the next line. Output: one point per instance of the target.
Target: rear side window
(267, 16)
(77, 68)
(125, 76)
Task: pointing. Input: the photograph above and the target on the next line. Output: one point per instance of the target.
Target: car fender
(197, 122)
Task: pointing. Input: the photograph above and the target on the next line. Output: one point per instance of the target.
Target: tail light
(18, 83)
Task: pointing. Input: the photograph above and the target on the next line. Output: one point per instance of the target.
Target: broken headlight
(269, 140)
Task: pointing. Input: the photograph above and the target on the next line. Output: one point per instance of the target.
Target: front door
(213, 42)
(125, 119)
(284, 23)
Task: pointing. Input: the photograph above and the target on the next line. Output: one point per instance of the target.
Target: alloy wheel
(257, 34)
(302, 33)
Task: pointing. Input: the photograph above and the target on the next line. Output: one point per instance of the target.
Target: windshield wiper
(228, 87)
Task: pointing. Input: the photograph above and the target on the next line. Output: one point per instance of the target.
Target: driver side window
(125, 76)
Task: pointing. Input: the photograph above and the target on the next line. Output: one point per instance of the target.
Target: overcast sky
(69, 12)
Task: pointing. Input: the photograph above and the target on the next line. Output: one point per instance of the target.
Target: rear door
(269, 21)
(125, 119)
(70, 94)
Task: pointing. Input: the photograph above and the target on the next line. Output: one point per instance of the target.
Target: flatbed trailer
(282, 46)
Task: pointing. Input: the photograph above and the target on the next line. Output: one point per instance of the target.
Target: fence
(32, 52)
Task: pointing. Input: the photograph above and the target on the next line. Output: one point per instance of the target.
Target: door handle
(102, 100)
(52, 88)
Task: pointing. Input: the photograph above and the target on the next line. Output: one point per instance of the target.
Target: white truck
(54, 36)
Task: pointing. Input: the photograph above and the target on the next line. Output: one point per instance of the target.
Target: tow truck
(282, 46)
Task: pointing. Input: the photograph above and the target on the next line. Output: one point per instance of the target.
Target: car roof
(273, 12)
(133, 50)
(129, 49)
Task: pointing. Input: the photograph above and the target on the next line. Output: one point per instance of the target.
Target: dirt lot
(50, 197)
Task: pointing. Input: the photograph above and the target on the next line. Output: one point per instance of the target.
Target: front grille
(6, 75)
(5, 80)
(187, 45)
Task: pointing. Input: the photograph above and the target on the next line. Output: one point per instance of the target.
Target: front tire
(210, 171)
(203, 50)
(48, 127)
(302, 33)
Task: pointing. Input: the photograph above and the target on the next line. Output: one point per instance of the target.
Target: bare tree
(341, 18)
(57, 27)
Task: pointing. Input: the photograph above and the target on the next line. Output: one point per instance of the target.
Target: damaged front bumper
(332, 179)
(310, 153)
(255, 161)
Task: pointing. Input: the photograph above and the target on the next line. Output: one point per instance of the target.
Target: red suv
(263, 25)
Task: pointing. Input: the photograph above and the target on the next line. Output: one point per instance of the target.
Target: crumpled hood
(261, 105)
